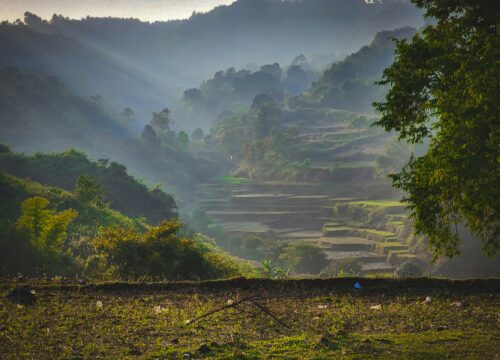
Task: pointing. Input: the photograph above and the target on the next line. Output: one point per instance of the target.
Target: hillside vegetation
(48, 231)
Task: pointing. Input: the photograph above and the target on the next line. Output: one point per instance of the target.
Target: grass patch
(379, 232)
(231, 180)
(379, 203)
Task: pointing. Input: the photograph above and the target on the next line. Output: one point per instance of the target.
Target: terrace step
(377, 268)
(399, 258)
(385, 247)
(363, 257)
(347, 243)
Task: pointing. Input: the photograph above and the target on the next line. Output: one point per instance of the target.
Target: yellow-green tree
(45, 229)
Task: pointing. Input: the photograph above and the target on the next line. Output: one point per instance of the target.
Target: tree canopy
(444, 85)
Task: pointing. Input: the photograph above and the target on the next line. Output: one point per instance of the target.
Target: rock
(22, 296)
(457, 304)
(427, 300)
(376, 307)
(203, 349)
(326, 342)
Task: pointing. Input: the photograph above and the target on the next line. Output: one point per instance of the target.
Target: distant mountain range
(146, 66)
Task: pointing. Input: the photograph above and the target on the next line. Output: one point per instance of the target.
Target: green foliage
(349, 84)
(44, 229)
(183, 140)
(268, 117)
(36, 233)
(304, 258)
(123, 192)
(88, 191)
(444, 85)
(342, 268)
(161, 253)
(271, 271)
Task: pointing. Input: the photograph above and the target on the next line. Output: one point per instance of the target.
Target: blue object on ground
(357, 285)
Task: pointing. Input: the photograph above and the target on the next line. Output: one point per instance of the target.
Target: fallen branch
(268, 312)
(234, 304)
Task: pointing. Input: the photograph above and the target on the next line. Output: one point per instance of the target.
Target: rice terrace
(249, 179)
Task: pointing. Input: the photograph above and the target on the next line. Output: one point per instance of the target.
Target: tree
(161, 122)
(197, 134)
(45, 229)
(89, 192)
(268, 117)
(127, 116)
(444, 85)
(183, 140)
(149, 135)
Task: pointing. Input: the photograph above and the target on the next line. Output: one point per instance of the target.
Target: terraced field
(289, 212)
(352, 215)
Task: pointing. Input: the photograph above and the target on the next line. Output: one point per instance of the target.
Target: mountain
(40, 113)
(144, 65)
(350, 84)
(124, 193)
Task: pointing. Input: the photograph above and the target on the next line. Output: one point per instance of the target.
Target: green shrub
(304, 258)
(36, 241)
(343, 268)
(160, 253)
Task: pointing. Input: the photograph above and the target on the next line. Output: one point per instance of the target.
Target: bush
(343, 268)
(161, 254)
(304, 258)
(408, 269)
(35, 243)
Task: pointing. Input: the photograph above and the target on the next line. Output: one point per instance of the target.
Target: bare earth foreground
(253, 319)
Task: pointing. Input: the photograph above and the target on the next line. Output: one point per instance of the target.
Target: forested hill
(123, 193)
(118, 56)
(40, 113)
(86, 70)
(350, 84)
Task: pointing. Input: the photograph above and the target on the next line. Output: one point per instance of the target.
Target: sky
(146, 10)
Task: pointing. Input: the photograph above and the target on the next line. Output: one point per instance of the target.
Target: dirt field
(252, 319)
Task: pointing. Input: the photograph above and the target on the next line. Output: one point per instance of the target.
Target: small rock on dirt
(203, 349)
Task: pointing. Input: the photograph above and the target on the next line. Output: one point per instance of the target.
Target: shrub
(304, 258)
(160, 253)
(343, 267)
